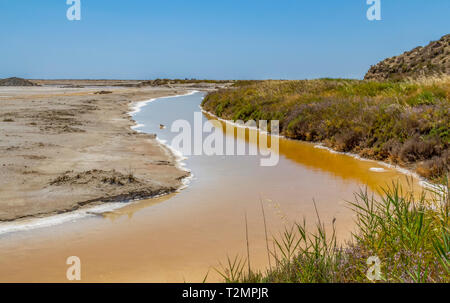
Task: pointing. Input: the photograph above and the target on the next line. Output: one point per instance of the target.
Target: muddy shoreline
(66, 148)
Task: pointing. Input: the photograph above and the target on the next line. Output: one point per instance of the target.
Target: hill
(432, 60)
(16, 82)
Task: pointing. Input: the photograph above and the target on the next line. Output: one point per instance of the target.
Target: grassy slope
(403, 123)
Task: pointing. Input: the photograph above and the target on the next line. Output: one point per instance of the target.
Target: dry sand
(64, 148)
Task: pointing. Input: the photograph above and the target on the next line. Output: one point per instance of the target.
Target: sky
(214, 39)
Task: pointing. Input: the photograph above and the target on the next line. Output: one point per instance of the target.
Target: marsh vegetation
(404, 123)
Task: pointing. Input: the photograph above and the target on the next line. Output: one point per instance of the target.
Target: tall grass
(409, 233)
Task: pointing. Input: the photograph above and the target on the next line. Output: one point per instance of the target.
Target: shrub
(435, 167)
(400, 121)
(416, 149)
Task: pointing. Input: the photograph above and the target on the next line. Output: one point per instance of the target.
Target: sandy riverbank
(65, 148)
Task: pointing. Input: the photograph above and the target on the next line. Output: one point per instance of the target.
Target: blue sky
(233, 39)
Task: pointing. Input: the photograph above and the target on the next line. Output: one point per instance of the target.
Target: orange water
(181, 237)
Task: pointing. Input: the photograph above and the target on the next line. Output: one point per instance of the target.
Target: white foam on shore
(73, 216)
(34, 223)
(242, 125)
(136, 106)
(229, 121)
(179, 157)
(422, 182)
(137, 126)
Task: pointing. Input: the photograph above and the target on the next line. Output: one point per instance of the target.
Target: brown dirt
(64, 148)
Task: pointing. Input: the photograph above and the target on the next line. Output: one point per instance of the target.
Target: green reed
(408, 232)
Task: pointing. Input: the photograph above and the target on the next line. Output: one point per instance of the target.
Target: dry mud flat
(64, 148)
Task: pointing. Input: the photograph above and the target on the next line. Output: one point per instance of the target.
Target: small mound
(16, 82)
(108, 186)
(96, 178)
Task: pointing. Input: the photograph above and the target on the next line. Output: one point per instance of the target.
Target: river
(183, 236)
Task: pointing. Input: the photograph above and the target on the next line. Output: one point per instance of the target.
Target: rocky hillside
(431, 60)
(16, 82)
